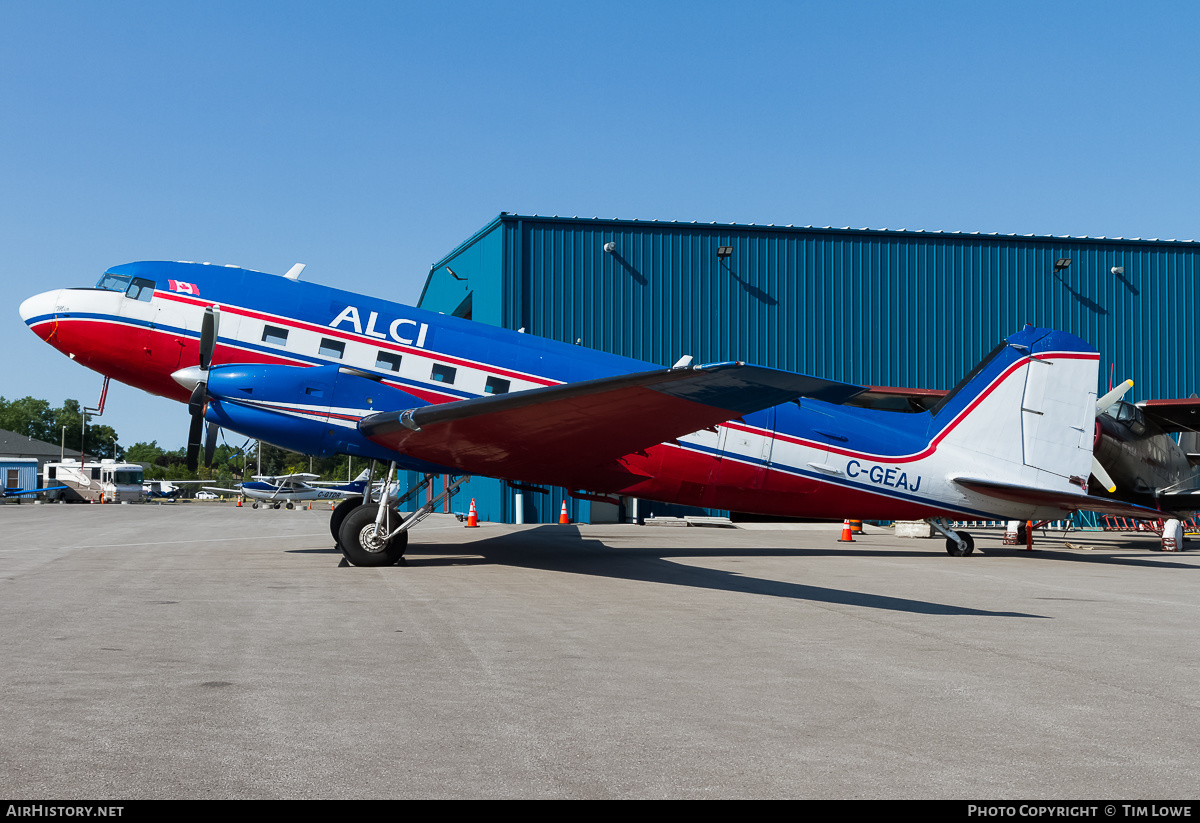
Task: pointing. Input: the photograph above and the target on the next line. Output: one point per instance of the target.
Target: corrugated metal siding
(913, 309)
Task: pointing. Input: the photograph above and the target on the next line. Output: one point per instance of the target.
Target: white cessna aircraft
(288, 489)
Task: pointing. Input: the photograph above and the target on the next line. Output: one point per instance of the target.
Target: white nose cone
(40, 306)
(189, 377)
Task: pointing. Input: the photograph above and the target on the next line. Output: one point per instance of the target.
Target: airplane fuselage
(1143, 461)
(805, 458)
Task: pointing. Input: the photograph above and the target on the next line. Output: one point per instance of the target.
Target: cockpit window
(114, 282)
(141, 289)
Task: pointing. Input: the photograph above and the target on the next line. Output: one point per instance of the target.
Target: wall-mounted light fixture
(452, 274)
(1061, 263)
(1117, 270)
(724, 252)
(610, 247)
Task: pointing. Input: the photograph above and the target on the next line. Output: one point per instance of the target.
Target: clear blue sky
(367, 139)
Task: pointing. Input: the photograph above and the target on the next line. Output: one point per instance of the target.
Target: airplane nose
(40, 306)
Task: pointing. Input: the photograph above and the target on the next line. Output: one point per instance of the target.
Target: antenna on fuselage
(294, 272)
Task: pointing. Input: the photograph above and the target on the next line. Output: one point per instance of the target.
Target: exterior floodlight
(1117, 270)
(452, 274)
(1061, 263)
(724, 251)
(610, 247)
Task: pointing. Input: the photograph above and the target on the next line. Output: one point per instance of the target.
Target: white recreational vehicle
(105, 481)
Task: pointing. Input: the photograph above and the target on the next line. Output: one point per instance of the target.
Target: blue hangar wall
(888, 308)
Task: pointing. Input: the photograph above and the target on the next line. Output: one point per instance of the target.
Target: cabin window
(113, 282)
(96, 474)
(496, 385)
(275, 335)
(388, 360)
(443, 374)
(332, 348)
(14, 481)
(53, 472)
(140, 289)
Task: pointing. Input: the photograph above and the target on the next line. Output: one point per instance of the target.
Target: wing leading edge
(556, 434)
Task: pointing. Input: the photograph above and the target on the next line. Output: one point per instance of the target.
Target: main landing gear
(958, 544)
(372, 532)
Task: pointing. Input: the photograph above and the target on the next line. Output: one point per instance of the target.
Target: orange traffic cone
(856, 527)
(472, 516)
(563, 519)
(846, 537)
(239, 505)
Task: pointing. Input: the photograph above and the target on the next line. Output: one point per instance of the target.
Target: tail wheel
(359, 540)
(952, 545)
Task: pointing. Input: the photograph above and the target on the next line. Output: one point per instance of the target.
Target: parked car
(205, 496)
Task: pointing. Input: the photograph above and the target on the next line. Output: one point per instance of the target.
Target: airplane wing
(276, 479)
(1173, 415)
(555, 434)
(23, 492)
(222, 491)
(889, 398)
(1066, 501)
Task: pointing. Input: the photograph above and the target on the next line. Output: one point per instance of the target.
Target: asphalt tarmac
(214, 652)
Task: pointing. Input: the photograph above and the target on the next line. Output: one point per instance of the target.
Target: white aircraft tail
(1027, 414)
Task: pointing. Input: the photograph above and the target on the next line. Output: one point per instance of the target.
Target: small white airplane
(166, 489)
(288, 489)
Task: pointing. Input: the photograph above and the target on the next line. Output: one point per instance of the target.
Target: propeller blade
(193, 445)
(1106, 402)
(1100, 474)
(210, 444)
(198, 399)
(208, 335)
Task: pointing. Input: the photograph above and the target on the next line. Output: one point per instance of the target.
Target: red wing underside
(571, 434)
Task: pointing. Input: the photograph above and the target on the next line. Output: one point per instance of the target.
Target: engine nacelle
(311, 410)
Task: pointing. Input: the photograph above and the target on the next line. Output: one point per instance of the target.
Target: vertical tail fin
(1027, 413)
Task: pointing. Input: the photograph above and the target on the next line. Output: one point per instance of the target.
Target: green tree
(30, 417)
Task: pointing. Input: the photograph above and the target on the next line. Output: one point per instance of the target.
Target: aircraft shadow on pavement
(545, 548)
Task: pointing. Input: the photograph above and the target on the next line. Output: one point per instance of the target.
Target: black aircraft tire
(351, 533)
(952, 545)
(339, 514)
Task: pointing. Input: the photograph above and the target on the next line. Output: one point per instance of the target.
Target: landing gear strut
(958, 544)
(375, 533)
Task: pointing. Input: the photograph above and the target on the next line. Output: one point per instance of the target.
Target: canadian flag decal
(185, 288)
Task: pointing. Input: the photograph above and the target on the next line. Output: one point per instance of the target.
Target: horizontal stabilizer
(1049, 498)
(552, 433)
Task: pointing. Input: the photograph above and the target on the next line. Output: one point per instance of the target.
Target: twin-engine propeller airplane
(289, 489)
(322, 371)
